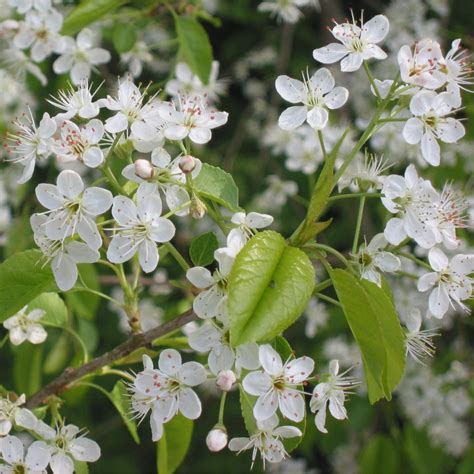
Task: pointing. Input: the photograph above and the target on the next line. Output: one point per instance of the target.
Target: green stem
(321, 142)
(177, 256)
(322, 286)
(371, 80)
(5, 339)
(177, 209)
(416, 260)
(328, 299)
(360, 215)
(120, 373)
(98, 293)
(221, 409)
(76, 337)
(354, 195)
(217, 217)
(332, 251)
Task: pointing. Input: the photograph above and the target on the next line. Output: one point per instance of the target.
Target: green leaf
(53, 306)
(20, 235)
(27, 365)
(202, 249)
(81, 467)
(22, 279)
(380, 451)
(88, 12)
(194, 46)
(121, 401)
(466, 466)
(268, 288)
(84, 305)
(58, 355)
(215, 184)
(173, 446)
(124, 37)
(376, 328)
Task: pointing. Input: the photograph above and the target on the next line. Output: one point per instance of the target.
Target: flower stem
(222, 409)
(177, 256)
(321, 141)
(360, 215)
(328, 299)
(371, 80)
(354, 195)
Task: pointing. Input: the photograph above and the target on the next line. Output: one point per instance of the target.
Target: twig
(63, 382)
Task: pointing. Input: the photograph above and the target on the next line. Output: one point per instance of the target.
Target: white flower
(364, 174)
(170, 386)
(414, 200)
(76, 102)
(15, 460)
(316, 316)
(267, 440)
(23, 6)
(450, 281)
(9, 413)
(80, 143)
(332, 392)
(420, 67)
(286, 10)
(431, 122)
(372, 259)
(317, 94)
(248, 223)
(131, 112)
(277, 193)
(168, 177)
(225, 380)
(140, 228)
(24, 326)
(20, 63)
(80, 56)
(190, 118)
(419, 344)
(64, 256)
(277, 385)
(222, 357)
(358, 44)
(216, 440)
(31, 143)
(136, 57)
(67, 444)
(73, 209)
(40, 31)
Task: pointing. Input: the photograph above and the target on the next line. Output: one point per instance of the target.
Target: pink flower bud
(144, 169)
(187, 163)
(225, 380)
(216, 439)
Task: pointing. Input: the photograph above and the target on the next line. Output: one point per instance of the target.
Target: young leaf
(87, 12)
(194, 46)
(53, 306)
(173, 446)
(121, 401)
(22, 278)
(269, 286)
(374, 323)
(217, 185)
(202, 249)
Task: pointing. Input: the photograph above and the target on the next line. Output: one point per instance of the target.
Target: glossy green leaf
(380, 451)
(269, 287)
(22, 279)
(173, 446)
(194, 46)
(202, 249)
(121, 400)
(53, 306)
(376, 328)
(124, 37)
(215, 184)
(88, 12)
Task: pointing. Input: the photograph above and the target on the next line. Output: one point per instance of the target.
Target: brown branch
(64, 381)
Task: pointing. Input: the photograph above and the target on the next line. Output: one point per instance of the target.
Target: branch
(63, 382)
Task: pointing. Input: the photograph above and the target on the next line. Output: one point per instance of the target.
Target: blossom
(76, 101)
(277, 385)
(432, 123)
(413, 199)
(190, 117)
(333, 393)
(317, 94)
(364, 174)
(14, 458)
(267, 440)
(286, 10)
(31, 143)
(357, 44)
(40, 31)
(171, 386)
(65, 445)
(79, 56)
(64, 256)
(418, 343)
(216, 440)
(222, 357)
(72, 208)
(80, 143)
(23, 6)
(140, 228)
(136, 57)
(248, 223)
(449, 282)
(316, 315)
(10, 413)
(372, 259)
(25, 326)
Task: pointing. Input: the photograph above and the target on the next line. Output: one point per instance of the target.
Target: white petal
(413, 131)
(330, 54)
(176, 132)
(292, 405)
(299, 369)
(97, 200)
(257, 383)
(36, 333)
(270, 360)
(170, 362)
(336, 98)
(320, 420)
(206, 304)
(65, 272)
(156, 427)
(163, 230)
(81, 253)
(49, 196)
(323, 80)
(395, 231)
(239, 444)
(317, 118)
(290, 89)
(124, 211)
(204, 338)
(84, 449)
(200, 135)
(376, 29)
(189, 404)
(12, 449)
(292, 117)
(438, 302)
(430, 148)
(61, 464)
(220, 358)
(450, 131)
(148, 255)
(200, 277)
(192, 374)
(70, 184)
(121, 249)
(266, 405)
(117, 123)
(352, 62)
(93, 157)
(438, 259)
(38, 456)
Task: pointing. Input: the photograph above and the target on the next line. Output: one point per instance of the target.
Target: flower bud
(144, 169)
(187, 163)
(225, 380)
(216, 439)
(198, 208)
